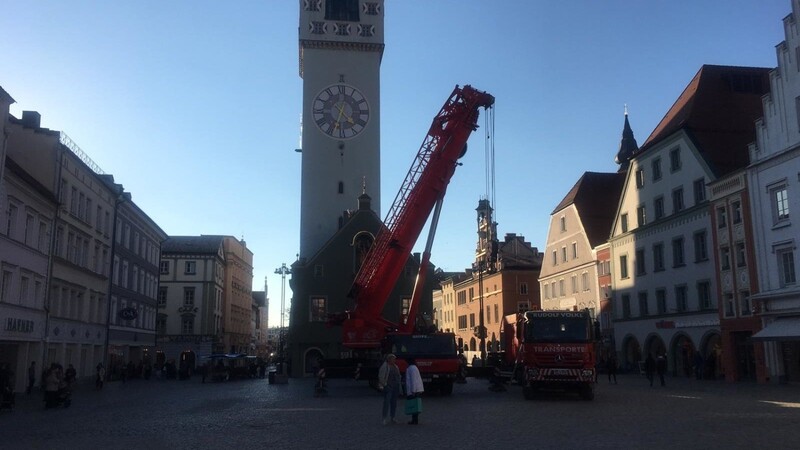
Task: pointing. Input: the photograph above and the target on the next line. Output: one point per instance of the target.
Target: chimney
(31, 119)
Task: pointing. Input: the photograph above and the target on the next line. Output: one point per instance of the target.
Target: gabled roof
(717, 110)
(192, 244)
(595, 196)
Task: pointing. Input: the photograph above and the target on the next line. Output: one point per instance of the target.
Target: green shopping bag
(413, 406)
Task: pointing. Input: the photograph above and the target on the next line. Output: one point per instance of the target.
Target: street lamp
(282, 271)
(479, 266)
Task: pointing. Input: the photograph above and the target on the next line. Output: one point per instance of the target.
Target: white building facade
(663, 271)
(774, 180)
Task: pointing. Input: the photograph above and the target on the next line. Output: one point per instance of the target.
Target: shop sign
(698, 323)
(128, 313)
(19, 325)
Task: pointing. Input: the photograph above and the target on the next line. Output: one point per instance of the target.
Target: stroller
(64, 396)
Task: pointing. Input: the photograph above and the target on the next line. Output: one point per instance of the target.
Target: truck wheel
(587, 393)
(446, 388)
(529, 393)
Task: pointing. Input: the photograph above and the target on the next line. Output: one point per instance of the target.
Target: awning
(782, 329)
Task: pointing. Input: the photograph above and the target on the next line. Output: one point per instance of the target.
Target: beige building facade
(77, 295)
(238, 299)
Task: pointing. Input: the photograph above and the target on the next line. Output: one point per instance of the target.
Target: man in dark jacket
(661, 367)
(650, 368)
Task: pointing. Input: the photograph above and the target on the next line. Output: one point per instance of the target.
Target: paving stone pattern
(157, 414)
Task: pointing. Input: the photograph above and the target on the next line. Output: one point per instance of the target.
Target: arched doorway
(682, 353)
(187, 364)
(631, 353)
(312, 361)
(711, 349)
(473, 346)
(654, 345)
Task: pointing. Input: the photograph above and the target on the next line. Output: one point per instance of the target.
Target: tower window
(317, 27)
(312, 5)
(342, 29)
(366, 30)
(341, 187)
(371, 8)
(346, 10)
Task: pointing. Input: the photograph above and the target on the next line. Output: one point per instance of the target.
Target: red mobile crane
(422, 191)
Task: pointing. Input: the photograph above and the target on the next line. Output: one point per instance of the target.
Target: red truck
(558, 352)
(550, 350)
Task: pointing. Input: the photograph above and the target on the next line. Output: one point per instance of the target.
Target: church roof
(717, 110)
(627, 146)
(595, 196)
(192, 244)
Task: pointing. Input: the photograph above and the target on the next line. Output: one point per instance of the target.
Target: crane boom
(424, 186)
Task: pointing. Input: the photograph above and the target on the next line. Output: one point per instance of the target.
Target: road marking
(783, 404)
(684, 396)
(298, 409)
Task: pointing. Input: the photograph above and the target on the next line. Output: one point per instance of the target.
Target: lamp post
(479, 266)
(282, 271)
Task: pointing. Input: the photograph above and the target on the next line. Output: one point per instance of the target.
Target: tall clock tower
(341, 46)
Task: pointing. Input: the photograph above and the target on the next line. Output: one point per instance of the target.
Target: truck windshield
(421, 345)
(556, 329)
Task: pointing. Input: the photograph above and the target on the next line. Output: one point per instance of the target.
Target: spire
(627, 146)
(364, 199)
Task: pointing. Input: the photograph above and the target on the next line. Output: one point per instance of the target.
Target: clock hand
(341, 111)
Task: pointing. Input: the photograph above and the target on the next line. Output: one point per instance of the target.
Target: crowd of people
(57, 384)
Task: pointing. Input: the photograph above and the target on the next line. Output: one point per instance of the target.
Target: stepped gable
(717, 110)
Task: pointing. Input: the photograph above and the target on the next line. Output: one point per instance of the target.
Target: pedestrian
(51, 386)
(661, 367)
(70, 374)
(698, 365)
(414, 388)
(611, 367)
(101, 376)
(650, 368)
(31, 377)
(389, 382)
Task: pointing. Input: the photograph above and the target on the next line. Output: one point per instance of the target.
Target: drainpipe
(117, 200)
(49, 277)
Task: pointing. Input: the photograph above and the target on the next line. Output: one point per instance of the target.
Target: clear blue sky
(194, 106)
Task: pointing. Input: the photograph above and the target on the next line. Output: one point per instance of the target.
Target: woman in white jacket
(414, 388)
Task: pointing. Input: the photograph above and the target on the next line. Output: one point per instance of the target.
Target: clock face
(340, 111)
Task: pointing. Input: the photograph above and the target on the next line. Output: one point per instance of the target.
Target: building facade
(737, 278)
(774, 180)
(341, 46)
(134, 282)
(503, 281)
(320, 286)
(190, 299)
(79, 267)
(260, 322)
(238, 296)
(664, 288)
(26, 223)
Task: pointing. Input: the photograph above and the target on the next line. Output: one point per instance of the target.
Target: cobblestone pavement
(686, 414)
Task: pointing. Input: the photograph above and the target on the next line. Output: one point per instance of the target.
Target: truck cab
(557, 352)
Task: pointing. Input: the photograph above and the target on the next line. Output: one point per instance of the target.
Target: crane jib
(423, 187)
